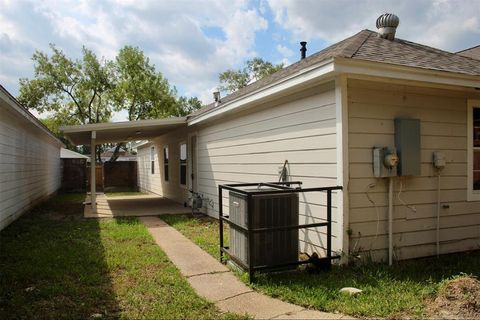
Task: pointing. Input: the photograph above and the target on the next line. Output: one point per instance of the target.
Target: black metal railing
(279, 188)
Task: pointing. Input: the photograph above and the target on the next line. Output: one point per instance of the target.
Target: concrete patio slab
(218, 286)
(132, 206)
(257, 305)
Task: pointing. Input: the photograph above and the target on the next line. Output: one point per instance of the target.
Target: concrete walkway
(215, 282)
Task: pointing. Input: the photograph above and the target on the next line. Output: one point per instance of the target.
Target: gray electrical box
(407, 143)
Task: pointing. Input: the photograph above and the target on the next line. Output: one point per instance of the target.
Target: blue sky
(192, 41)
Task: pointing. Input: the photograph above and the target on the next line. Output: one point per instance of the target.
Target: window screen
(476, 148)
(165, 163)
(152, 159)
(183, 164)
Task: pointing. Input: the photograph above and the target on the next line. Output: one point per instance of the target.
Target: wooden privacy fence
(74, 177)
(120, 176)
(109, 176)
(98, 177)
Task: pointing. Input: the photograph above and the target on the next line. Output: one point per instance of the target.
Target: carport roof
(122, 131)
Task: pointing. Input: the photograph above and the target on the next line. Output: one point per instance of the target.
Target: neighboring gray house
(69, 154)
(29, 160)
(325, 114)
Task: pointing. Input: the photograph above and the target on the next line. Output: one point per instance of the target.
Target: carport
(98, 133)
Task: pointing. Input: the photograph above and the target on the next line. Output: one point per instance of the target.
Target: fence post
(220, 216)
(251, 276)
(329, 223)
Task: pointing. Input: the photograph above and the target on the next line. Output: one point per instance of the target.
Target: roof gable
(473, 52)
(410, 54)
(367, 46)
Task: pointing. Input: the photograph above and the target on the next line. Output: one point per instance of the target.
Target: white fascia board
(385, 70)
(140, 144)
(13, 104)
(317, 71)
(122, 125)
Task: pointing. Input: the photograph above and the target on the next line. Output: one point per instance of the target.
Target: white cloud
(284, 51)
(178, 37)
(449, 25)
(169, 32)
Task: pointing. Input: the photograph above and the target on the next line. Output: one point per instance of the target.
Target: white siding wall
(148, 182)
(252, 147)
(155, 183)
(29, 165)
(373, 106)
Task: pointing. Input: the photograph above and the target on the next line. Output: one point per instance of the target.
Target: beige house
(29, 160)
(324, 115)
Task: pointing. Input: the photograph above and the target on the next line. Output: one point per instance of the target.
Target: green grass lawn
(54, 264)
(200, 229)
(394, 291)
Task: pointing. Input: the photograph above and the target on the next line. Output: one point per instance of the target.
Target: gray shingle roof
(410, 54)
(366, 45)
(473, 52)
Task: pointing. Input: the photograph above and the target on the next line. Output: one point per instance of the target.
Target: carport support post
(93, 166)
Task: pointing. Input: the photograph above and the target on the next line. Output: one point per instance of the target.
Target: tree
(185, 106)
(139, 89)
(53, 123)
(74, 90)
(255, 69)
(88, 90)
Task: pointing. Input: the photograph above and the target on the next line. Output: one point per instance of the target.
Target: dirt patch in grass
(457, 299)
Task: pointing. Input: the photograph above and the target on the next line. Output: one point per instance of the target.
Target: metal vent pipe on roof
(303, 49)
(216, 98)
(387, 25)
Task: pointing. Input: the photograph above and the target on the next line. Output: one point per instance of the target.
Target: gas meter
(439, 161)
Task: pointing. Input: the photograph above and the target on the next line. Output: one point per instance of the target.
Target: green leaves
(255, 69)
(89, 89)
(71, 89)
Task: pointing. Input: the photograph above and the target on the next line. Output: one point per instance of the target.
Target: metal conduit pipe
(438, 214)
(390, 221)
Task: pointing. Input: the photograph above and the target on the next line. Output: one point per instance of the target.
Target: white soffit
(294, 82)
(122, 131)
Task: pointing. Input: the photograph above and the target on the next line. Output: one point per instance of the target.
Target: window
(165, 163)
(152, 159)
(473, 150)
(183, 164)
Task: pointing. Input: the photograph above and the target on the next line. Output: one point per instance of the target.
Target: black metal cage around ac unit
(264, 225)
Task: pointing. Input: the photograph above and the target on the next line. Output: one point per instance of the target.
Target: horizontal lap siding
(29, 166)
(148, 182)
(443, 114)
(155, 183)
(253, 147)
(172, 189)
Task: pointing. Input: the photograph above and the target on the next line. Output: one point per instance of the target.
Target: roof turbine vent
(387, 25)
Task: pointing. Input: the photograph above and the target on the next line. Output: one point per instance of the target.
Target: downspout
(438, 214)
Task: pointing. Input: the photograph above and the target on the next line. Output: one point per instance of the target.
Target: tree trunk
(99, 154)
(116, 152)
